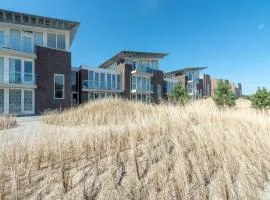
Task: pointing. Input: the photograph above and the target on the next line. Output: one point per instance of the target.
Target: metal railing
(100, 85)
(18, 44)
(17, 78)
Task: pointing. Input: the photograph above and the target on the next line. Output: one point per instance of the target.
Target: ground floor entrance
(17, 101)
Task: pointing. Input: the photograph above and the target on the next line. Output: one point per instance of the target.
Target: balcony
(141, 70)
(19, 45)
(101, 86)
(17, 79)
(146, 89)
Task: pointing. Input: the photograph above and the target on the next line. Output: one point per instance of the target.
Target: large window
(15, 101)
(96, 80)
(61, 41)
(1, 69)
(118, 82)
(28, 72)
(38, 39)
(102, 81)
(15, 70)
(28, 100)
(2, 38)
(113, 82)
(59, 85)
(27, 42)
(1, 101)
(91, 79)
(51, 40)
(134, 79)
(109, 81)
(15, 39)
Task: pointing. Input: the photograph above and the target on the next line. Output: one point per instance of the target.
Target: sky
(230, 37)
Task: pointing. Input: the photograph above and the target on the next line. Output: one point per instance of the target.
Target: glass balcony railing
(18, 78)
(144, 89)
(142, 69)
(20, 44)
(101, 85)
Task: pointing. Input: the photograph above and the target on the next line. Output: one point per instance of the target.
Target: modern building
(36, 73)
(190, 79)
(236, 88)
(35, 63)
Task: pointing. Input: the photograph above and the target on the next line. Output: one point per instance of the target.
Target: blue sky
(230, 37)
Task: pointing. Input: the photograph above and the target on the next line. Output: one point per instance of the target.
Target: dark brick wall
(156, 80)
(50, 62)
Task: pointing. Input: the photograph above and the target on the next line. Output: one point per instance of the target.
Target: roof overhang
(131, 54)
(13, 17)
(188, 69)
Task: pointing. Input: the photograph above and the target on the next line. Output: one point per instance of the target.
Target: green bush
(179, 95)
(261, 99)
(223, 95)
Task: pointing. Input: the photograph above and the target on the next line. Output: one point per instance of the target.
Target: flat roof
(131, 54)
(187, 69)
(13, 17)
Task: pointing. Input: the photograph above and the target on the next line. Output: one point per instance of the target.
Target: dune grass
(115, 149)
(7, 122)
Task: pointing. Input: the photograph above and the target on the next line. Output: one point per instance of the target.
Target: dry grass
(124, 150)
(7, 122)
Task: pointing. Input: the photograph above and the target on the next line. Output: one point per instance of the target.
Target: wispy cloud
(260, 27)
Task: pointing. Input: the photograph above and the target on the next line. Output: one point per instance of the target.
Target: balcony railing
(19, 44)
(18, 78)
(101, 85)
(142, 69)
(144, 89)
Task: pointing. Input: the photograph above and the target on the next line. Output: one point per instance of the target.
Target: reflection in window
(59, 86)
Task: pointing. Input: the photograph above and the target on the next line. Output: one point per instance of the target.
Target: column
(6, 101)
(6, 69)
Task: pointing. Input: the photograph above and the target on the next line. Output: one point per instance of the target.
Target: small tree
(179, 95)
(261, 99)
(223, 95)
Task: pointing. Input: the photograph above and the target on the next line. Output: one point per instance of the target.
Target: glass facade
(38, 38)
(28, 71)
(15, 101)
(28, 100)
(15, 71)
(51, 40)
(15, 39)
(2, 38)
(1, 101)
(59, 82)
(27, 42)
(141, 84)
(1, 69)
(61, 41)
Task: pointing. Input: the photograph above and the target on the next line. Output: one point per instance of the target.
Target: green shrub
(179, 95)
(261, 99)
(223, 95)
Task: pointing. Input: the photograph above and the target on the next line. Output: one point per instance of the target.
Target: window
(74, 80)
(38, 39)
(113, 82)
(59, 82)
(61, 41)
(139, 83)
(1, 101)
(15, 39)
(14, 71)
(15, 101)
(159, 91)
(51, 40)
(118, 82)
(1, 69)
(96, 80)
(90, 79)
(148, 84)
(2, 38)
(144, 84)
(28, 71)
(28, 100)
(134, 78)
(102, 81)
(109, 81)
(27, 42)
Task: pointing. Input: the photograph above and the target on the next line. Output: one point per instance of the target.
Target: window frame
(55, 75)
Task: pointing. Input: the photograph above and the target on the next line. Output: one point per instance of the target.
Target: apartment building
(35, 63)
(190, 79)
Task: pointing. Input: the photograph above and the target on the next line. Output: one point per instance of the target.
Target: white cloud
(261, 26)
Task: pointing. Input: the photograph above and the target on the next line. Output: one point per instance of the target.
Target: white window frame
(63, 86)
